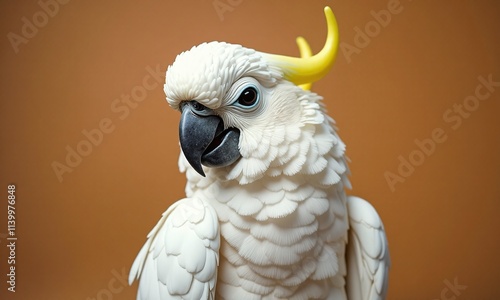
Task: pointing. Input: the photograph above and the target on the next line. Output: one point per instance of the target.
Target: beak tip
(200, 171)
(195, 164)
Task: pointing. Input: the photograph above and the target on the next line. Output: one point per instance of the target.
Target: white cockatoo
(265, 214)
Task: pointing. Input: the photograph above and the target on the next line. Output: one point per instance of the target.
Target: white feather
(180, 257)
(368, 254)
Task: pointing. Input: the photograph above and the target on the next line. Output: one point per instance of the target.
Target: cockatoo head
(242, 109)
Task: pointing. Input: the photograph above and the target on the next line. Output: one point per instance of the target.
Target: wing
(180, 258)
(367, 253)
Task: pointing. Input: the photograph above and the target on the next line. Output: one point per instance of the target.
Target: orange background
(75, 236)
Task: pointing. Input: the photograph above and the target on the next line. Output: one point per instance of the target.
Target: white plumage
(274, 222)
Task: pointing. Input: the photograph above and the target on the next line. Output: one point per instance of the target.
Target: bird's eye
(197, 106)
(248, 97)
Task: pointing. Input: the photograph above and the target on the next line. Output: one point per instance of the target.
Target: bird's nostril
(181, 106)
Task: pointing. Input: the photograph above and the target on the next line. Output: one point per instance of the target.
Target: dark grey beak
(204, 140)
